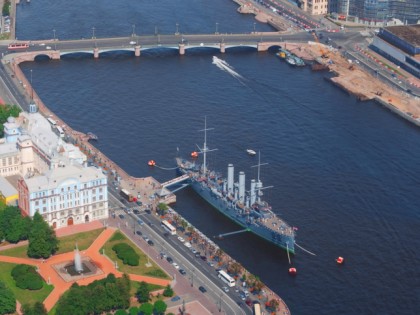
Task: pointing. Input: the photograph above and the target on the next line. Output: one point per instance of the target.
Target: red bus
(18, 46)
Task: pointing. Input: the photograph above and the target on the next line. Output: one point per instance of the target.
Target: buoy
(151, 163)
(292, 271)
(340, 260)
(194, 154)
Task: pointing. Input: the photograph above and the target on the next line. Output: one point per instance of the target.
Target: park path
(46, 270)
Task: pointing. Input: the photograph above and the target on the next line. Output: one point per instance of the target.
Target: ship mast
(205, 149)
(259, 185)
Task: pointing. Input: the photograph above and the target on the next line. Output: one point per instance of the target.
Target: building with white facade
(65, 195)
(55, 179)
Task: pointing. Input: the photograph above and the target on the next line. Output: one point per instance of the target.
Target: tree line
(14, 228)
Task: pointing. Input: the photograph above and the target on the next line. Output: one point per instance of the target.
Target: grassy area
(141, 269)
(67, 243)
(83, 240)
(23, 296)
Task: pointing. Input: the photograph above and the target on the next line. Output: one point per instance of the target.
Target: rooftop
(409, 33)
(6, 188)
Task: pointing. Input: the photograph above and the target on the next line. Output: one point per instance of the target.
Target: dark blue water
(344, 172)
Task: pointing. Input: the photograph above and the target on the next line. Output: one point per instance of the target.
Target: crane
(321, 50)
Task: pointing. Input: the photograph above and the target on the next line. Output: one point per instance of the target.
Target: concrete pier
(137, 50)
(181, 49)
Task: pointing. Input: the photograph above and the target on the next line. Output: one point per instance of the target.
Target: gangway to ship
(175, 180)
(221, 236)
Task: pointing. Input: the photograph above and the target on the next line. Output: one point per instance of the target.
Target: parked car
(187, 244)
(175, 265)
(203, 258)
(148, 211)
(166, 234)
(136, 211)
(202, 289)
(175, 298)
(139, 233)
(169, 260)
(121, 216)
(226, 289)
(181, 239)
(150, 242)
(194, 251)
(182, 272)
(140, 221)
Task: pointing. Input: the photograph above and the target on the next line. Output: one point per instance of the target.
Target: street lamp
(134, 30)
(177, 29)
(55, 44)
(93, 32)
(220, 302)
(54, 33)
(254, 27)
(217, 28)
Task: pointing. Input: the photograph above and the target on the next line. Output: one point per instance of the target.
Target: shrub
(26, 277)
(168, 291)
(126, 253)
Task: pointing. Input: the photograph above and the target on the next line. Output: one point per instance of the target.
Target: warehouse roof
(409, 33)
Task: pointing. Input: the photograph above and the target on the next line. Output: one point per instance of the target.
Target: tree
(7, 300)
(159, 307)
(42, 240)
(143, 292)
(120, 312)
(133, 310)
(272, 305)
(168, 291)
(162, 208)
(36, 309)
(146, 309)
(7, 110)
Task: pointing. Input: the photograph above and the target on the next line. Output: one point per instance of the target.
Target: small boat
(340, 260)
(291, 61)
(251, 152)
(292, 271)
(194, 154)
(151, 163)
(92, 136)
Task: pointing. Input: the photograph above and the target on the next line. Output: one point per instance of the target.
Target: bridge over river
(95, 46)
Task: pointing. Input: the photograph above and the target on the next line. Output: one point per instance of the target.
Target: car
(187, 244)
(150, 242)
(203, 258)
(48, 47)
(175, 265)
(202, 289)
(140, 221)
(133, 42)
(175, 298)
(197, 254)
(128, 210)
(181, 239)
(139, 203)
(121, 216)
(139, 233)
(182, 271)
(135, 211)
(239, 303)
(210, 263)
(166, 234)
(148, 211)
(194, 251)
(147, 239)
(42, 44)
(169, 260)
(248, 302)
(226, 289)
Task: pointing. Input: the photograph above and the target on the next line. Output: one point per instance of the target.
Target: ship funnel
(231, 170)
(242, 187)
(253, 193)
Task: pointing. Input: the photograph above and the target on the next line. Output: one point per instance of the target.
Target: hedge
(26, 277)
(126, 253)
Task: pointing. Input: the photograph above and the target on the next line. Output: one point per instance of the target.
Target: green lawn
(67, 244)
(141, 269)
(23, 296)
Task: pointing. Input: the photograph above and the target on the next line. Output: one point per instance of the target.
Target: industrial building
(401, 45)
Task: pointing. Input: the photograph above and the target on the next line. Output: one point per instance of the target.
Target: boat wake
(223, 65)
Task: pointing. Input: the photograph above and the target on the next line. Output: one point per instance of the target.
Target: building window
(9, 161)
(44, 209)
(37, 203)
(44, 201)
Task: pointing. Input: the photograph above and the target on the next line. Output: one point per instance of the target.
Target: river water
(344, 172)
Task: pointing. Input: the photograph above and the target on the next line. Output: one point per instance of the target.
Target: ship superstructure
(231, 198)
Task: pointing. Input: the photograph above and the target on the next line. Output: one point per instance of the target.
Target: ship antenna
(258, 165)
(205, 149)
